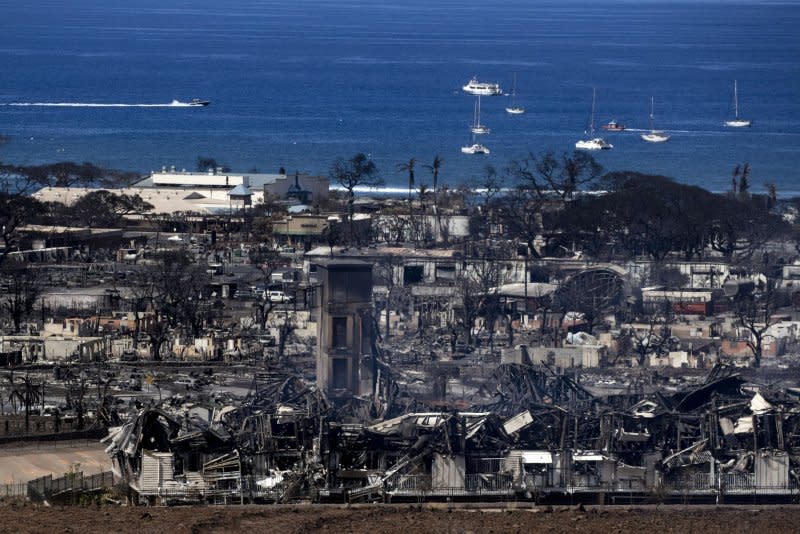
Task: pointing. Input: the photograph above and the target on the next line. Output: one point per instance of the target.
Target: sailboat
(514, 109)
(737, 122)
(593, 143)
(654, 136)
(478, 128)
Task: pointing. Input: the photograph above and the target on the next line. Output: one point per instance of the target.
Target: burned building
(345, 328)
(531, 433)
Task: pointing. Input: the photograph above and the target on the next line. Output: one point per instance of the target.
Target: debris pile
(529, 433)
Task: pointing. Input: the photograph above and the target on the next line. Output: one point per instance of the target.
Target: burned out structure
(373, 426)
(345, 328)
(531, 434)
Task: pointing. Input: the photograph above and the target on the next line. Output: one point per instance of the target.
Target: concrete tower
(344, 328)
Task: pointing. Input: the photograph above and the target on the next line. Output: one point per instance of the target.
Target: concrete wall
(13, 425)
(566, 357)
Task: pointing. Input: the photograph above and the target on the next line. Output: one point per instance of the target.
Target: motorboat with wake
(613, 126)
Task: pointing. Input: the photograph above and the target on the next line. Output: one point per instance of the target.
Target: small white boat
(593, 143)
(654, 136)
(597, 143)
(476, 127)
(737, 122)
(514, 109)
(474, 87)
(475, 148)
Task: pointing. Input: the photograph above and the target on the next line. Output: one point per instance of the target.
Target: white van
(187, 382)
(278, 296)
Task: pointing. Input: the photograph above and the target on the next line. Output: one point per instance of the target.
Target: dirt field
(29, 461)
(376, 519)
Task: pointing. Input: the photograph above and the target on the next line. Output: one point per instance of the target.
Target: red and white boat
(613, 126)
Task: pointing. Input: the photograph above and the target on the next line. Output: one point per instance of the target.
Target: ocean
(298, 83)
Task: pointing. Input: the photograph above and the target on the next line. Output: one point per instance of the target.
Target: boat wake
(173, 104)
(691, 132)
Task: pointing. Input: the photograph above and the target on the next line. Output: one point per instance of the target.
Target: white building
(171, 191)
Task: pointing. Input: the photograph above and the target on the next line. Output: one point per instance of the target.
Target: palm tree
(423, 223)
(735, 180)
(744, 181)
(408, 167)
(24, 391)
(435, 167)
(13, 394)
(423, 192)
(772, 195)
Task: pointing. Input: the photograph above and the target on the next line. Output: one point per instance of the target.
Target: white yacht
(474, 87)
(737, 122)
(654, 136)
(593, 143)
(476, 127)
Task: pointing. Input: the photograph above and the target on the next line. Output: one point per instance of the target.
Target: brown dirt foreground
(377, 519)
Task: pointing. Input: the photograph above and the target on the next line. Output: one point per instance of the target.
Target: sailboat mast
(652, 118)
(514, 90)
(736, 98)
(591, 117)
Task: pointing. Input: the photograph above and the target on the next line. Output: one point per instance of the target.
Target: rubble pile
(529, 433)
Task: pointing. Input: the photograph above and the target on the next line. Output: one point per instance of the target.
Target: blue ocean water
(297, 83)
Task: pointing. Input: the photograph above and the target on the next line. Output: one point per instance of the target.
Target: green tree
(24, 287)
(549, 176)
(173, 289)
(205, 164)
(103, 208)
(68, 174)
(756, 313)
(16, 210)
(351, 173)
